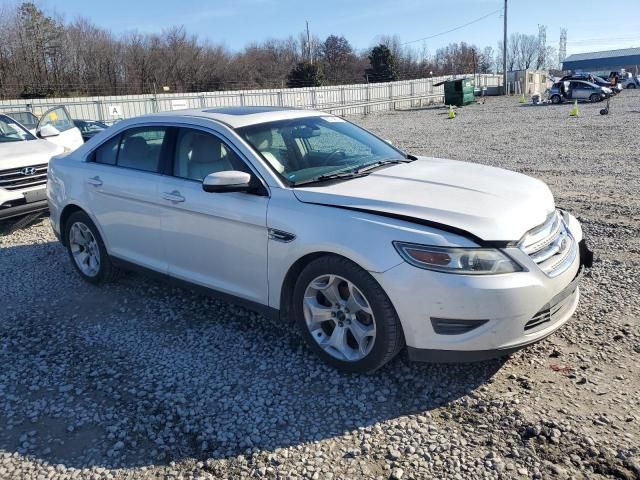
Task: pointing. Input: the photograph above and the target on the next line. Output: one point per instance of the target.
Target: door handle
(95, 181)
(174, 196)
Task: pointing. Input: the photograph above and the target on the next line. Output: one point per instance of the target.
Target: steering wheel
(335, 155)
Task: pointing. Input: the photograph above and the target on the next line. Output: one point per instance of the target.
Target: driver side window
(57, 118)
(198, 154)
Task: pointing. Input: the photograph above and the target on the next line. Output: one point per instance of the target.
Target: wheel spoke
(338, 341)
(76, 237)
(316, 313)
(93, 262)
(86, 236)
(356, 301)
(330, 291)
(82, 257)
(362, 334)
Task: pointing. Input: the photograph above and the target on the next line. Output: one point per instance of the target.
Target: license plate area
(35, 195)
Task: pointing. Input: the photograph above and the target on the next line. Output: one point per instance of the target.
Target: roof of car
(237, 117)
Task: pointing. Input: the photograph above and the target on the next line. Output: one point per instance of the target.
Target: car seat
(263, 142)
(206, 156)
(135, 154)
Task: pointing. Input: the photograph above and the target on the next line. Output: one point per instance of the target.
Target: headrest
(205, 149)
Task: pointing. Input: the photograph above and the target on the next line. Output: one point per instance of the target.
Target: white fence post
(99, 110)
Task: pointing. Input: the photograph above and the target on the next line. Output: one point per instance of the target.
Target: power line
(456, 28)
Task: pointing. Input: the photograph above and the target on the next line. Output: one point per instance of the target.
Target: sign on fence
(115, 110)
(179, 104)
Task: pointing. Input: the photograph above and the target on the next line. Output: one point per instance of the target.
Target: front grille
(19, 178)
(551, 246)
(551, 312)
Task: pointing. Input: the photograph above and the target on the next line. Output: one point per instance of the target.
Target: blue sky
(591, 25)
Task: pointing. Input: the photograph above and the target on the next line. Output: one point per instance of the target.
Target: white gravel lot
(141, 380)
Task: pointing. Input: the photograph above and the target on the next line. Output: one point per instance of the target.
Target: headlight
(466, 261)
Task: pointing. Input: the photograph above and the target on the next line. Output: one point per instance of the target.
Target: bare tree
(527, 50)
(42, 55)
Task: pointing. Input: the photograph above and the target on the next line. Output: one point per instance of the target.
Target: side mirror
(229, 181)
(48, 131)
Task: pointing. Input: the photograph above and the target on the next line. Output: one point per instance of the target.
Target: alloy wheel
(84, 249)
(339, 318)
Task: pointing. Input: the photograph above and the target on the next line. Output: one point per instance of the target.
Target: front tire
(595, 98)
(556, 99)
(87, 251)
(345, 316)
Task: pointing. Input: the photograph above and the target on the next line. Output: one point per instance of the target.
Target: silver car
(578, 90)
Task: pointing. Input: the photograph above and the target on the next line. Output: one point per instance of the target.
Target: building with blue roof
(610, 60)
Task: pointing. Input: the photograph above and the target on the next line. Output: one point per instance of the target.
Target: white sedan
(307, 217)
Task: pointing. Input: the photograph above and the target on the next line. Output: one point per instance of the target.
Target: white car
(24, 159)
(307, 217)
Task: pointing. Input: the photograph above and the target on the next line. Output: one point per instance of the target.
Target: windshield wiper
(372, 166)
(356, 172)
(331, 176)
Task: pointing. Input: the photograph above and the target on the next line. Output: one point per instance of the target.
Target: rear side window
(137, 148)
(141, 148)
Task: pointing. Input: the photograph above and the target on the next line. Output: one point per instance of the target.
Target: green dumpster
(458, 92)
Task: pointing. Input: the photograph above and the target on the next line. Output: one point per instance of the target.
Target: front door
(580, 90)
(66, 134)
(218, 240)
(122, 181)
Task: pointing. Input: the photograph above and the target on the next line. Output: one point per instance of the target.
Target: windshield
(27, 119)
(11, 131)
(304, 149)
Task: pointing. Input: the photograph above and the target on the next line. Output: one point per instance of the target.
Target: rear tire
(631, 86)
(87, 251)
(355, 307)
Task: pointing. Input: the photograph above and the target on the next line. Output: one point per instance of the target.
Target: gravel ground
(141, 380)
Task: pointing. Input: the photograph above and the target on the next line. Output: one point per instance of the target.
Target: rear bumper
(18, 210)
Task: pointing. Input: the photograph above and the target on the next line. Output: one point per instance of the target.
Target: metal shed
(628, 58)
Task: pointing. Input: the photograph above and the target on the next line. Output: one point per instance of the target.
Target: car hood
(26, 153)
(489, 203)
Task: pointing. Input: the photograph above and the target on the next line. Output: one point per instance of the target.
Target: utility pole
(504, 52)
(309, 44)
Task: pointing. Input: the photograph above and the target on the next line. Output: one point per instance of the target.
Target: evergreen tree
(305, 74)
(383, 65)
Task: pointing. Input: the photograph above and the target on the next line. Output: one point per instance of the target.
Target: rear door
(122, 179)
(68, 135)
